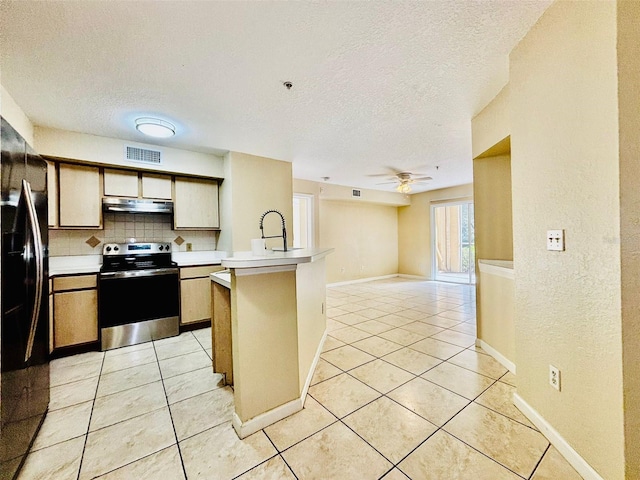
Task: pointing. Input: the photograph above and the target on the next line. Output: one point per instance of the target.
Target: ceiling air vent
(355, 193)
(142, 155)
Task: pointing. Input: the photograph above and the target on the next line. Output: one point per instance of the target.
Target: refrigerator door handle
(38, 248)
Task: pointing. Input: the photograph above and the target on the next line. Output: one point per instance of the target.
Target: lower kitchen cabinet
(195, 293)
(75, 310)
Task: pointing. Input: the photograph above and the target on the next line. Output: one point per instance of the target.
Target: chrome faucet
(284, 230)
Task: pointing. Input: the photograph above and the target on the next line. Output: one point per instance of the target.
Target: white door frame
(309, 199)
(434, 260)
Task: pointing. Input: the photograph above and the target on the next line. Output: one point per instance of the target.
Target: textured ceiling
(375, 84)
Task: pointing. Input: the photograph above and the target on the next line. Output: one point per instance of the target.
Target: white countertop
(501, 268)
(78, 264)
(275, 258)
(223, 277)
(74, 264)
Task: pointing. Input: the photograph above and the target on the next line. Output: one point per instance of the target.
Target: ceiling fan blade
(418, 179)
(386, 183)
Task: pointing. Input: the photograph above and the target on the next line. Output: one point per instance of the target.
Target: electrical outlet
(554, 377)
(555, 240)
(189, 247)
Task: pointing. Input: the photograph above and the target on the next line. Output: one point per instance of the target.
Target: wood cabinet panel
(195, 300)
(196, 204)
(156, 186)
(120, 183)
(80, 196)
(75, 317)
(221, 331)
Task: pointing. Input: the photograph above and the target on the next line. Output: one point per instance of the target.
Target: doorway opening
(453, 248)
(303, 232)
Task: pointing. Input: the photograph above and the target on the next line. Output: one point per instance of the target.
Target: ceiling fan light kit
(404, 187)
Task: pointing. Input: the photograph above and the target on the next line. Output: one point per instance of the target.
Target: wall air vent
(355, 193)
(142, 155)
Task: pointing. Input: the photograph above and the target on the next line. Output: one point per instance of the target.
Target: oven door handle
(152, 272)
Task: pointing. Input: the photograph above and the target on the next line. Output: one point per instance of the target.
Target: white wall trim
(501, 359)
(361, 280)
(566, 450)
(312, 370)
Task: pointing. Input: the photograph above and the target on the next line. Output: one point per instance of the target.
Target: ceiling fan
(404, 179)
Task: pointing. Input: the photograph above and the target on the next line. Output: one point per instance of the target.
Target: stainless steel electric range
(139, 297)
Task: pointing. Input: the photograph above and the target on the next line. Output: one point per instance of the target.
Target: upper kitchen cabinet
(129, 183)
(120, 183)
(156, 186)
(196, 204)
(80, 196)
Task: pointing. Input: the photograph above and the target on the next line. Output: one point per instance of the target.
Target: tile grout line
(93, 403)
(173, 426)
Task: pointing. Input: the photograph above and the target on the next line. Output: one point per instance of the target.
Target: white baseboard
(244, 429)
(361, 280)
(314, 364)
(566, 450)
(501, 359)
(413, 277)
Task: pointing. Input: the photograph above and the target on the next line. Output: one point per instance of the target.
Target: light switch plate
(555, 240)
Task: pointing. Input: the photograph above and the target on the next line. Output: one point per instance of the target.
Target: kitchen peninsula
(278, 326)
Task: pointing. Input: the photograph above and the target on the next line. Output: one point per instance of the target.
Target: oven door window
(137, 299)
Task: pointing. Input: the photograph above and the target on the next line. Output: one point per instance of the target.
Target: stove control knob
(160, 248)
(116, 248)
(167, 248)
(108, 249)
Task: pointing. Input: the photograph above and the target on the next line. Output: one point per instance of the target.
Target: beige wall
(496, 306)
(342, 193)
(258, 184)
(365, 238)
(266, 374)
(492, 212)
(564, 146)
(104, 150)
(13, 114)
(629, 104)
(491, 126)
(414, 228)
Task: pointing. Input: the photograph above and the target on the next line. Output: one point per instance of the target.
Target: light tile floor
(400, 392)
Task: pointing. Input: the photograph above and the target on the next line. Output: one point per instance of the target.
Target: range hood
(136, 205)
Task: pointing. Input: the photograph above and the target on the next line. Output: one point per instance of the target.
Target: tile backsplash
(121, 228)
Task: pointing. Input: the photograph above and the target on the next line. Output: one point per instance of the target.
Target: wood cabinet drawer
(74, 282)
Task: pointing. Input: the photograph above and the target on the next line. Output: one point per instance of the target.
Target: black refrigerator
(24, 331)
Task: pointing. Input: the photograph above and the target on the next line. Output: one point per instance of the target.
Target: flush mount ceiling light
(154, 127)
